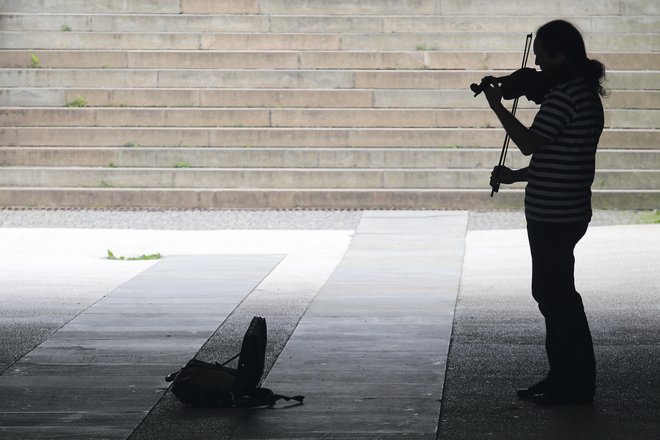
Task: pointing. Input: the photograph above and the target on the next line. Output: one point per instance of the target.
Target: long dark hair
(560, 36)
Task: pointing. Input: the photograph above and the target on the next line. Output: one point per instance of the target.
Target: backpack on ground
(206, 384)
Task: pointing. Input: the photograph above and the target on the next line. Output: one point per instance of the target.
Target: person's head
(560, 50)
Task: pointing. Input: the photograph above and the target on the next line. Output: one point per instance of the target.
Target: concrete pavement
(359, 321)
(497, 342)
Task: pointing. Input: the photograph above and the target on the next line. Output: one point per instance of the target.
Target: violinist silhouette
(562, 142)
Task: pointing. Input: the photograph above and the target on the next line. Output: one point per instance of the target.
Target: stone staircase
(263, 104)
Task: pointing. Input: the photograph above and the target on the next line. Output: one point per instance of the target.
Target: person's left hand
(493, 92)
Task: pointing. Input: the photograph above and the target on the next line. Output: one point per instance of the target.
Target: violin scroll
(478, 88)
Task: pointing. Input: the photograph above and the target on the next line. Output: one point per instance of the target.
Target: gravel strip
(261, 219)
(193, 220)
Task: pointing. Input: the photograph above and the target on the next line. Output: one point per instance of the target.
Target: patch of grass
(36, 62)
(111, 256)
(105, 184)
(113, 165)
(65, 28)
(131, 145)
(182, 165)
(421, 47)
(651, 217)
(80, 101)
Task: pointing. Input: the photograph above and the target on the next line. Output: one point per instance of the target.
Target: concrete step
(140, 59)
(315, 98)
(456, 41)
(145, 157)
(299, 78)
(92, 6)
(241, 178)
(251, 117)
(315, 7)
(293, 137)
(364, 178)
(301, 198)
(226, 6)
(135, 22)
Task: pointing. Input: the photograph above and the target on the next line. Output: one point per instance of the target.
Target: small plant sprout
(421, 47)
(182, 165)
(131, 145)
(112, 165)
(36, 63)
(112, 256)
(65, 28)
(80, 101)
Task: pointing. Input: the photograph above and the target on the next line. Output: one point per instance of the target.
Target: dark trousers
(568, 339)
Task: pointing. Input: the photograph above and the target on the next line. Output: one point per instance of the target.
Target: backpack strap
(263, 397)
(226, 362)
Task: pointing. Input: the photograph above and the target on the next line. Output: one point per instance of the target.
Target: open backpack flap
(206, 384)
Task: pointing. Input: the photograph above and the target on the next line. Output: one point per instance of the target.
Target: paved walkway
(359, 319)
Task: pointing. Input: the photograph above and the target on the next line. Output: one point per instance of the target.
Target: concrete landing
(359, 322)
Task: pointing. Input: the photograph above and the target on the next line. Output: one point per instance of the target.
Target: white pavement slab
(370, 353)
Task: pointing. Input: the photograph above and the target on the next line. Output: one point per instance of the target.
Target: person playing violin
(562, 142)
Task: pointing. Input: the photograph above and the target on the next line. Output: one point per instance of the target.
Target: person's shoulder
(575, 86)
(559, 94)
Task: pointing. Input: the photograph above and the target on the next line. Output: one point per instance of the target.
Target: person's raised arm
(526, 140)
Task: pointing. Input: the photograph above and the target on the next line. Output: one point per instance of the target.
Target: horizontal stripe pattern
(562, 170)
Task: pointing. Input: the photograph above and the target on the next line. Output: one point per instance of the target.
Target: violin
(528, 82)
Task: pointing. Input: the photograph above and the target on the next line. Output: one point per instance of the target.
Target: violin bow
(507, 138)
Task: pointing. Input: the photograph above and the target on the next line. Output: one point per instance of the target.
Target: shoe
(562, 398)
(539, 388)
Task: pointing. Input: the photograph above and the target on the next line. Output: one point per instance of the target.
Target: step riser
(362, 79)
(260, 178)
(314, 24)
(20, 117)
(110, 198)
(301, 158)
(453, 99)
(223, 7)
(195, 98)
(299, 60)
(600, 42)
(282, 137)
(365, 7)
(144, 23)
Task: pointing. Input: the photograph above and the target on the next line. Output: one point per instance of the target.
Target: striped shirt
(562, 170)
